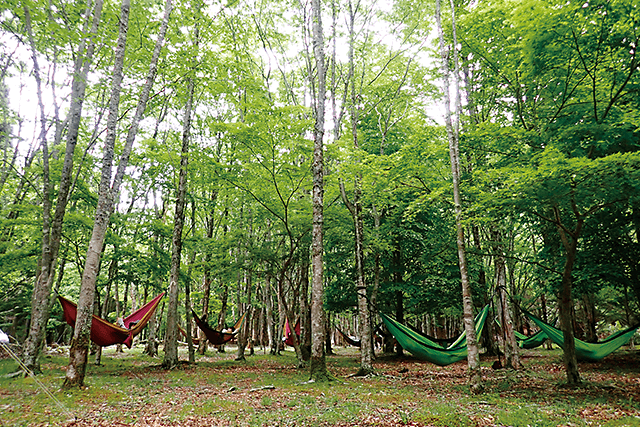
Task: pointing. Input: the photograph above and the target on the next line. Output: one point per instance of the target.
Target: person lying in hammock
(120, 323)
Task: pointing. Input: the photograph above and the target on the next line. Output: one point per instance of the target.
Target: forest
(318, 162)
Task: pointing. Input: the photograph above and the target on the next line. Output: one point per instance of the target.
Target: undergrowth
(133, 389)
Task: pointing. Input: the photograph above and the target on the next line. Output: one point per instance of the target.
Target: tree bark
(475, 378)
(399, 303)
(187, 303)
(376, 276)
(206, 281)
(224, 301)
(590, 317)
(78, 352)
(268, 304)
(634, 262)
(52, 232)
(171, 340)
(245, 287)
(108, 194)
(512, 358)
(570, 243)
(152, 340)
(305, 311)
(318, 365)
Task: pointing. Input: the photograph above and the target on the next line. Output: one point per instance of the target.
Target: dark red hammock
(194, 340)
(348, 339)
(217, 337)
(288, 336)
(104, 333)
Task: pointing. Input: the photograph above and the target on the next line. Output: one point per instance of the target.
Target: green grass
(130, 388)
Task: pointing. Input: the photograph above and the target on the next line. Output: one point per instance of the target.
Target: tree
(170, 347)
(52, 226)
(270, 164)
(512, 358)
(108, 194)
(80, 346)
(475, 377)
(318, 366)
(355, 208)
(566, 193)
(564, 117)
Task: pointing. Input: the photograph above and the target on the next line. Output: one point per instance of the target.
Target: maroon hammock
(218, 337)
(104, 333)
(350, 340)
(288, 334)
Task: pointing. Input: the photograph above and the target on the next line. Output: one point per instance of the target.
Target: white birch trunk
(318, 366)
(473, 360)
(79, 351)
(108, 194)
(171, 338)
(52, 232)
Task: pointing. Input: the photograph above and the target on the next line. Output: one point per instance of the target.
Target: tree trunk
(78, 352)
(376, 277)
(566, 323)
(224, 301)
(318, 365)
(397, 278)
(52, 235)
(327, 336)
(108, 194)
(40, 307)
(151, 348)
(569, 240)
(366, 365)
(590, 317)
(206, 296)
(305, 312)
(118, 310)
(512, 358)
(475, 378)
(171, 340)
(634, 263)
(491, 329)
(206, 281)
(566, 317)
(187, 303)
(272, 336)
(113, 270)
(245, 306)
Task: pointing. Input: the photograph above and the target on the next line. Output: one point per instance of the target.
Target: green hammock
(529, 342)
(479, 322)
(591, 352)
(535, 340)
(425, 349)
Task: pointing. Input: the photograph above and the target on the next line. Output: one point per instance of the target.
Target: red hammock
(104, 333)
(288, 336)
(217, 337)
(194, 340)
(350, 340)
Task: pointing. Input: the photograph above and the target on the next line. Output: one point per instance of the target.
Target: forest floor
(131, 389)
